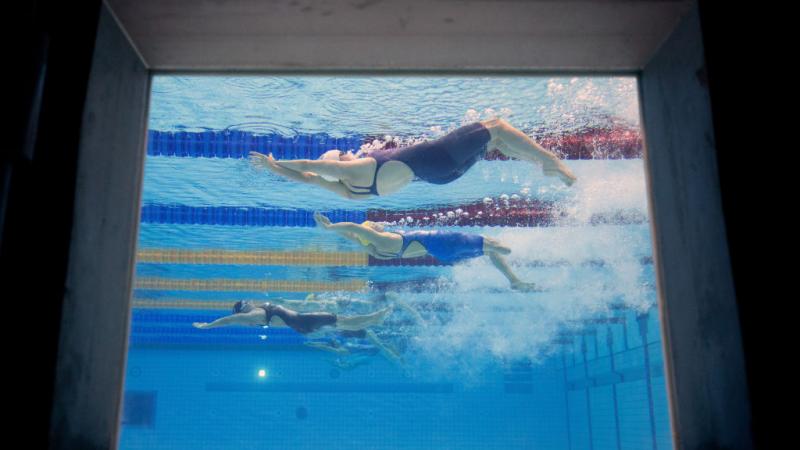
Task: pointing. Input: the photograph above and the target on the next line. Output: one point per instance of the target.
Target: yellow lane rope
(224, 304)
(227, 284)
(264, 258)
(189, 303)
(183, 304)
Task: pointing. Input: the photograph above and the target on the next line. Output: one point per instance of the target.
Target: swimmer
(268, 314)
(313, 302)
(335, 346)
(449, 247)
(385, 171)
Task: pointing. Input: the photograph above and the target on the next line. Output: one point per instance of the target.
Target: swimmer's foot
(521, 286)
(556, 168)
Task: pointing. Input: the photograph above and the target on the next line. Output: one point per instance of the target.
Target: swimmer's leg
(417, 316)
(327, 347)
(385, 350)
(355, 323)
(516, 144)
(494, 246)
(516, 284)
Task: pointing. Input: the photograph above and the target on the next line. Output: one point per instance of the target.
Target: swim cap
(242, 306)
(332, 155)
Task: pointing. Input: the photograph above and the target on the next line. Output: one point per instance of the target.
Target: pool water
(467, 363)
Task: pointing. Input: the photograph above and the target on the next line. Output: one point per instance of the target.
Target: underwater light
(262, 373)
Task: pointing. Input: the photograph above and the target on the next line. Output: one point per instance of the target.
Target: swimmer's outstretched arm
(222, 322)
(254, 317)
(350, 229)
(268, 162)
(334, 169)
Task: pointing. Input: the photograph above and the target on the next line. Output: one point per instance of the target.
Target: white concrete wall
(317, 35)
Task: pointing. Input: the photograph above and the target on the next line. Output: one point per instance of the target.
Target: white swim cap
(332, 155)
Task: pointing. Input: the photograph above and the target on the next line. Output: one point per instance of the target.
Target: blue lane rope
(284, 217)
(238, 144)
(201, 339)
(186, 328)
(242, 216)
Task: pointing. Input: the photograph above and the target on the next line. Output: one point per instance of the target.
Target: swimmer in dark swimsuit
(440, 161)
(447, 246)
(268, 314)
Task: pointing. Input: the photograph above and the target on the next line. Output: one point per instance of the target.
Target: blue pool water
(578, 366)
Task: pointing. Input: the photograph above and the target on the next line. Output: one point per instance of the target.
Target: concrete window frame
(702, 342)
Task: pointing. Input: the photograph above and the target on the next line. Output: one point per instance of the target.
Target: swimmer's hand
(261, 160)
(200, 325)
(321, 220)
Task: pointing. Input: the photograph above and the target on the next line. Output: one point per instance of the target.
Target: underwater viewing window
(450, 214)
(415, 261)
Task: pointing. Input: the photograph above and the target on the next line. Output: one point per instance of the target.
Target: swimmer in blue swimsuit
(247, 314)
(440, 161)
(449, 247)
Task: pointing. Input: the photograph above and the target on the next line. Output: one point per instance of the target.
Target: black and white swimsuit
(303, 323)
(439, 161)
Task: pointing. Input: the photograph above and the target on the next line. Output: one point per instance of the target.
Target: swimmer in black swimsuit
(268, 314)
(337, 344)
(440, 161)
(330, 302)
(447, 246)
